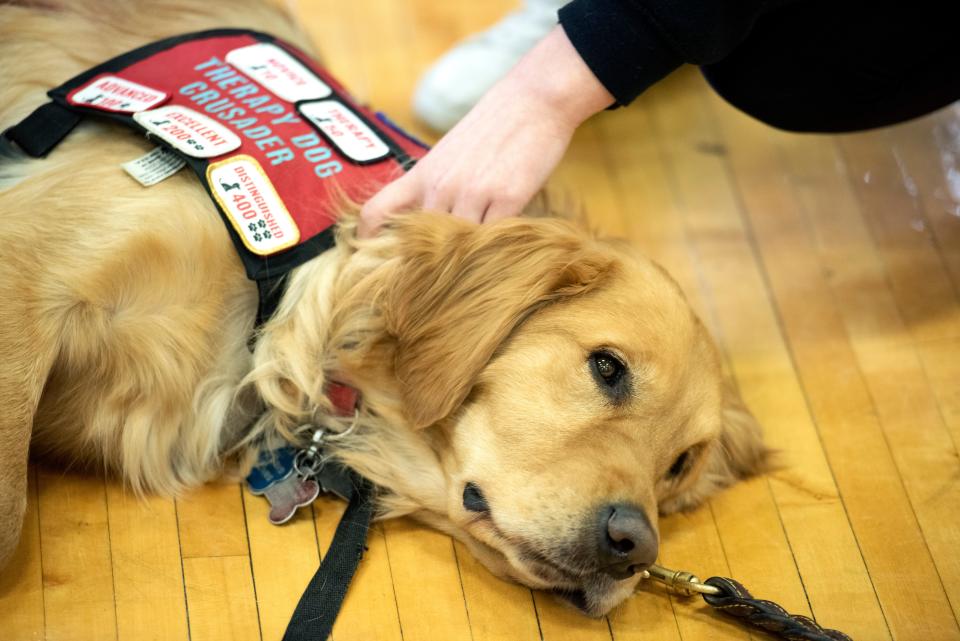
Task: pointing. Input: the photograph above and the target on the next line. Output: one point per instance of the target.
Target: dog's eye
(607, 366)
(474, 500)
(679, 466)
(611, 375)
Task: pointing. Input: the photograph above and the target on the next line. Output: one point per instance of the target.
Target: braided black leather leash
(730, 597)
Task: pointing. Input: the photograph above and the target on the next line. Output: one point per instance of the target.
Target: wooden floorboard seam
(463, 592)
(253, 576)
(113, 569)
(911, 500)
(785, 337)
(183, 574)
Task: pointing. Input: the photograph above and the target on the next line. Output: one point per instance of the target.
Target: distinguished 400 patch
(255, 209)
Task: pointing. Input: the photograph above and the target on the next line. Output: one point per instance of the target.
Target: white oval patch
(344, 129)
(252, 204)
(188, 131)
(112, 93)
(278, 72)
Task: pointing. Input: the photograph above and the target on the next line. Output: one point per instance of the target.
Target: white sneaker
(456, 82)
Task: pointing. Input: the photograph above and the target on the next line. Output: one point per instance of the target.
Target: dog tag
(275, 479)
(272, 467)
(288, 495)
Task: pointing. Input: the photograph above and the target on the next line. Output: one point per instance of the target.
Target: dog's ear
(460, 289)
(738, 454)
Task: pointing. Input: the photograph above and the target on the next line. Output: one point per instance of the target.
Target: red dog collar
(276, 141)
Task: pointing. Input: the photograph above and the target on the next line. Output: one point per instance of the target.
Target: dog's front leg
(23, 373)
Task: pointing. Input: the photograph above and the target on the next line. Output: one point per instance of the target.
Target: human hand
(496, 159)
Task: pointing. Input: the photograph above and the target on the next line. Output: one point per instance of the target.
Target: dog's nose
(627, 542)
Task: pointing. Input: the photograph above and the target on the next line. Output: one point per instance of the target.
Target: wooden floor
(827, 267)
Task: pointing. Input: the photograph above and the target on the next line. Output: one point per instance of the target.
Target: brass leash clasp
(681, 582)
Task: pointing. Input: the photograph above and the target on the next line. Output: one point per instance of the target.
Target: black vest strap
(41, 131)
(321, 601)
(270, 290)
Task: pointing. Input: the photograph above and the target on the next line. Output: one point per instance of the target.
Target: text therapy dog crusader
(276, 141)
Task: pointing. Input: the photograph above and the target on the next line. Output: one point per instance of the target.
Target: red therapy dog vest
(275, 140)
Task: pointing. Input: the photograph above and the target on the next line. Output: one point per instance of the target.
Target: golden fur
(124, 341)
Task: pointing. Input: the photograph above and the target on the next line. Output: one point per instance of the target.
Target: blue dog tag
(272, 467)
(274, 478)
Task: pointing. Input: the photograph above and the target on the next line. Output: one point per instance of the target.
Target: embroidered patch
(110, 93)
(188, 131)
(279, 72)
(154, 166)
(252, 204)
(346, 130)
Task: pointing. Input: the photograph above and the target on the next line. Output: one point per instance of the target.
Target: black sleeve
(631, 44)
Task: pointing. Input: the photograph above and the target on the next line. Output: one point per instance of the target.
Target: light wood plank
(918, 278)
(21, 582)
(851, 262)
(370, 608)
(923, 451)
(765, 564)
(221, 599)
(887, 532)
(929, 149)
(75, 546)
(878, 327)
(284, 558)
(804, 489)
(691, 542)
(927, 460)
(560, 622)
(333, 32)
(147, 578)
(651, 219)
(211, 522)
(584, 184)
(941, 362)
(426, 581)
(831, 566)
(497, 609)
(646, 616)
(388, 79)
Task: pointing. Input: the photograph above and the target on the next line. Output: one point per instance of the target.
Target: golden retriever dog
(540, 393)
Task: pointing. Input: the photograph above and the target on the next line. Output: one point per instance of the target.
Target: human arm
(629, 45)
(604, 52)
(495, 159)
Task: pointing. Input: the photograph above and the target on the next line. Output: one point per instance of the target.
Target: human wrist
(554, 79)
